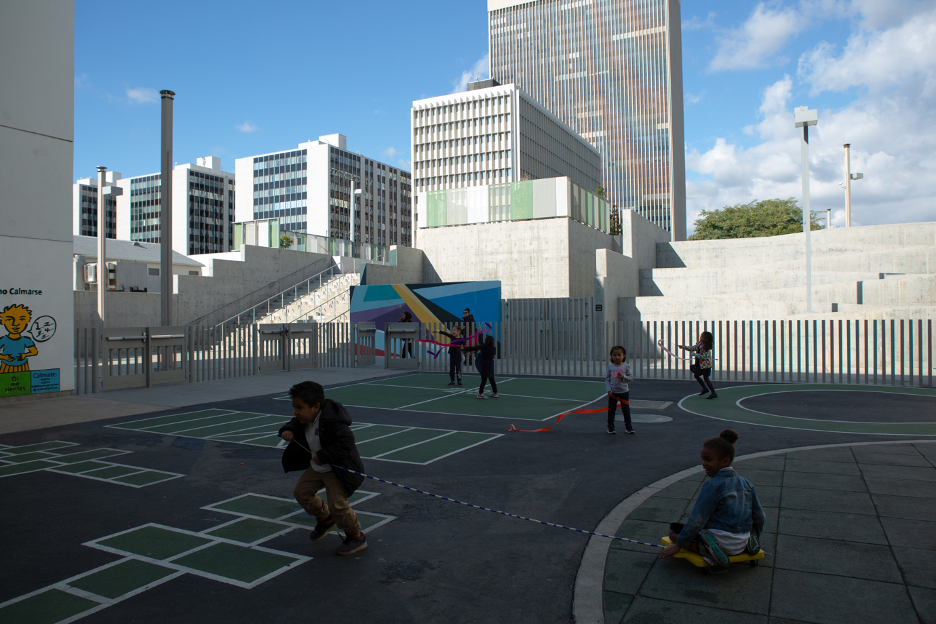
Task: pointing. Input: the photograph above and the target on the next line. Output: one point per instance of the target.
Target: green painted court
(397, 443)
(519, 398)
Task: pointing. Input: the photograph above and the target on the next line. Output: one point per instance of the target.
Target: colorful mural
(17, 346)
(428, 303)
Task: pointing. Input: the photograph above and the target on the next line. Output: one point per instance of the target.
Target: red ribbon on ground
(622, 402)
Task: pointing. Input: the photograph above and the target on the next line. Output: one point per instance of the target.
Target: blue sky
(253, 78)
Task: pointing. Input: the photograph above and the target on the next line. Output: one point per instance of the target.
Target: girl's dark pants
(455, 362)
(625, 409)
(486, 369)
(701, 374)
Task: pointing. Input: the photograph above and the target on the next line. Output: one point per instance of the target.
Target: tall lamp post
(803, 118)
(849, 176)
(103, 276)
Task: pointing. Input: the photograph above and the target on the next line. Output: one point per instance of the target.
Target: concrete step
(684, 282)
(918, 259)
(789, 247)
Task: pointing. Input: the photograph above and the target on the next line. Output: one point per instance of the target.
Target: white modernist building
(37, 117)
(495, 134)
(85, 206)
(309, 189)
(202, 208)
(612, 71)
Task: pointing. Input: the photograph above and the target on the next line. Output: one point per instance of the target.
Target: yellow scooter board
(697, 560)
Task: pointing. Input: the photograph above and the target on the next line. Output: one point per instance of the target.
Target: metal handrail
(203, 317)
(340, 293)
(282, 295)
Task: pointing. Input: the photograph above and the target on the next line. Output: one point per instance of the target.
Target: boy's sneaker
(703, 393)
(611, 430)
(753, 544)
(712, 396)
(321, 529)
(351, 545)
(631, 431)
(451, 383)
(481, 396)
(495, 395)
(460, 385)
(710, 549)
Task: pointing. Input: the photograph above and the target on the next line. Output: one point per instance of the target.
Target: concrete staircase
(321, 305)
(872, 272)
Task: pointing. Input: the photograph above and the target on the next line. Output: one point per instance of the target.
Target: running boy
(616, 378)
(727, 517)
(319, 437)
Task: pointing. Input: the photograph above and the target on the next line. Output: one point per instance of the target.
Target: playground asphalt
(213, 536)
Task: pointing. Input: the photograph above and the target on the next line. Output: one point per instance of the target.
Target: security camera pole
(849, 176)
(165, 211)
(804, 118)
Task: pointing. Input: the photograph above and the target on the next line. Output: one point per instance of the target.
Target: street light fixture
(849, 176)
(803, 118)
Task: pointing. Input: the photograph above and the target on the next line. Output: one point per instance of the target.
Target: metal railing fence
(892, 352)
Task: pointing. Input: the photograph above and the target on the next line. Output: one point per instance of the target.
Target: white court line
(178, 431)
(246, 431)
(413, 444)
(493, 436)
(143, 420)
(389, 434)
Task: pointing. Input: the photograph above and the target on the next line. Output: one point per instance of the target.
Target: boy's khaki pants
(305, 492)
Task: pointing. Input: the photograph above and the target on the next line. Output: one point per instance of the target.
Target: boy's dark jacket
(338, 447)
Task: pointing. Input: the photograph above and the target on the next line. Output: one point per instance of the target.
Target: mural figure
(15, 347)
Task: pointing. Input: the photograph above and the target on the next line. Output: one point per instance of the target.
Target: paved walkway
(850, 537)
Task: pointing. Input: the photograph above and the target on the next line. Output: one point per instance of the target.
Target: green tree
(285, 241)
(615, 212)
(770, 217)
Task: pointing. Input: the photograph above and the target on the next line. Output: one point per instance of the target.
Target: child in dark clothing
(455, 354)
(487, 353)
(319, 438)
(704, 353)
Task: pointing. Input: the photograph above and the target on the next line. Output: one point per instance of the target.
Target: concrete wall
(226, 281)
(410, 268)
(37, 41)
(784, 249)
(532, 259)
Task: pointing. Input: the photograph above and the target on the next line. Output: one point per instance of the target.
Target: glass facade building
(87, 210)
(612, 71)
(309, 190)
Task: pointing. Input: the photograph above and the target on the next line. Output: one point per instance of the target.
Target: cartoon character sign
(15, 347)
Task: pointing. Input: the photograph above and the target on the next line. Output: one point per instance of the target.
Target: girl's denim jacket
(727, 502)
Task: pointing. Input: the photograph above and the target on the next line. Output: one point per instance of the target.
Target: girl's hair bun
(729, 435)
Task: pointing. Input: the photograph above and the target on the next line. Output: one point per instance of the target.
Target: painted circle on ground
(846, 405)
(646, 418)
(728, 406)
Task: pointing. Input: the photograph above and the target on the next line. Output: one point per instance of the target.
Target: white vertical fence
(537, 339)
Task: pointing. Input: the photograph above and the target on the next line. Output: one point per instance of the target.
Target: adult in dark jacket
(321, 443)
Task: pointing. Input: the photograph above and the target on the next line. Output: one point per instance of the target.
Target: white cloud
(247, 127)
(82, 81)
(893, 142)
(756, 42)
(877, 60)
(390, 152)
(478, 71)
(142, 95)
(405, 163)
(692, 99)
(697, 24)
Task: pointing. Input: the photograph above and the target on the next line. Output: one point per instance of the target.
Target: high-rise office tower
(612, 71)
(308, 189)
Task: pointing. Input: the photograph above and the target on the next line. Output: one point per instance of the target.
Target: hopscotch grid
(438, 437)
(112, 601)
(113, 453)
(286, 529)
(20, 450)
